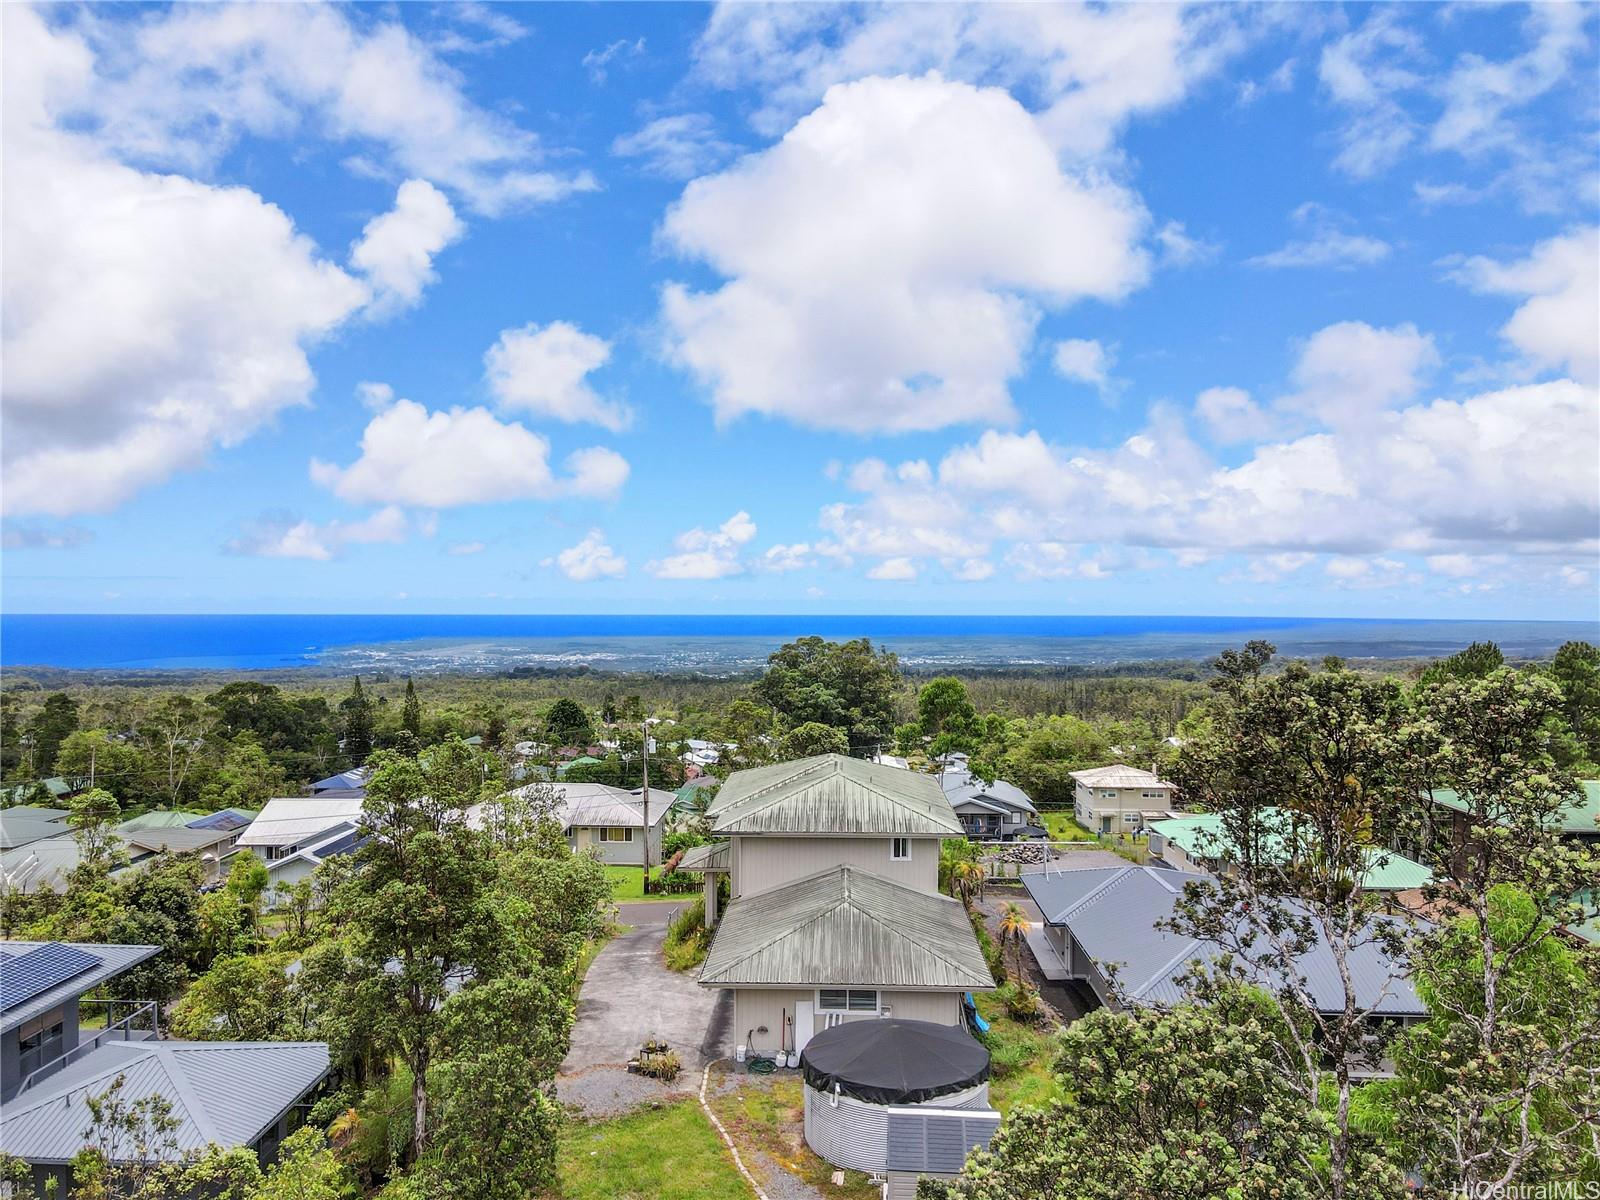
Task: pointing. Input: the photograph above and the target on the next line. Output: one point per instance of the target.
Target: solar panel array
(27, 975)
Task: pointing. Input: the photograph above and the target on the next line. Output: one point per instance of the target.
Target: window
(1014, 818)
(609, 834)
(1108, 793)
(1153, 795)
(856, 1000)
(900, 849)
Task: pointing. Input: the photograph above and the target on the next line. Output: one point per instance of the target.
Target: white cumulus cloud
(446, 458)
(925, 224)
(708, 554)
(544, 370)
(397, 249)
(149, 318)
(592, 558)
(1559, 323)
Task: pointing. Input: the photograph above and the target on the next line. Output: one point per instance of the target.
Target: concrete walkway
(629, 996)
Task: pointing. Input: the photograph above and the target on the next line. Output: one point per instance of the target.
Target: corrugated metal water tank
(855, 1134)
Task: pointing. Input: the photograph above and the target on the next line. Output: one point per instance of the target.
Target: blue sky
(633, 308)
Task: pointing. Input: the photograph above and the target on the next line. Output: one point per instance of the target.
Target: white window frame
(895, 844)
(608, 833)
(877, 1001)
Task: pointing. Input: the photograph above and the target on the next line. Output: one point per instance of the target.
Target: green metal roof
(1202, 837)
(833, 794)
(849, 928)
(161, 819)
(1581, 816)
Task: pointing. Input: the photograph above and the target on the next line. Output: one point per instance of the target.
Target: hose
(760, 1064)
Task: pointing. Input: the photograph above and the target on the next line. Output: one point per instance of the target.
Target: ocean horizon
(715, 644)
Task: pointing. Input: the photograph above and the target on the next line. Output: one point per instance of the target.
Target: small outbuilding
(866, 1078)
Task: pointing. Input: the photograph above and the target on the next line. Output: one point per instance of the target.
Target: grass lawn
(1063, 828)
(668, 1153)
(1020, 1058)
(771, 1119)
(627, 883)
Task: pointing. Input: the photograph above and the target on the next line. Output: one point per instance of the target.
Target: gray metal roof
(937, 1140)
(112, 961)
(295, 820)
(846, 927)
(1112, 913)
(21, 826)
(711, 857)
(832, 794)
(961, 786)
(176, 839)
(1120, 775)
(227, 1093)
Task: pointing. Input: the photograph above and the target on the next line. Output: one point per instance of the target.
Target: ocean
(717, 645)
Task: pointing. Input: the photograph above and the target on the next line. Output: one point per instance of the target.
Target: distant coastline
(717, 645)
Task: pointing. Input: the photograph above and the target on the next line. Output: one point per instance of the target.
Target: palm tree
(1014, 926)
(968, 878)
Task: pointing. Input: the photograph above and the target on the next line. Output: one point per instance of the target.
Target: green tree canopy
(812, 738)
(567, 724)
(847, 685)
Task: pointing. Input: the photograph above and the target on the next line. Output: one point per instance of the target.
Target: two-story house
(229, 1094)
(1115, 799)
(834, 909)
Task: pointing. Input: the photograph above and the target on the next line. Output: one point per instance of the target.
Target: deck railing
(124, 1029)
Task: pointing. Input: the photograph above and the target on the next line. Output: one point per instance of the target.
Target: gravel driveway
(627, 997)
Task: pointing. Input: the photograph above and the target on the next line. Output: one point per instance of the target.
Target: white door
(802, 1024)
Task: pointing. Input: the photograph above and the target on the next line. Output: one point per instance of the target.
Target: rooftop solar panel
(226, 819)
(40, 969)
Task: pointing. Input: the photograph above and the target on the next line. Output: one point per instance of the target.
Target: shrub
(991, 951)
(663, 1065)
(1022, 1003)
(688, 939)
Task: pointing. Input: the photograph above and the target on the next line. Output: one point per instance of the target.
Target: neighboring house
(990, 811)
(1101, 916)
(229, 1094)
(346, 783)
(1579, 822)
(43, 864)
(23, 824)
(1199, 842)
(610, 820)
(583, 760)
(834, 912)
(1115, 799)
(296, 834)
(703, 754)
(55, 787)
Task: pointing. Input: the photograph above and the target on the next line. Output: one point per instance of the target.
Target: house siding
(760, 863)
(622, 854)
(1091, 805)
(755, 1007)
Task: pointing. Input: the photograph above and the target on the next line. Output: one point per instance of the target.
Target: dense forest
(212, 740)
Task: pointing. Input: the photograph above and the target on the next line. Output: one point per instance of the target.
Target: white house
(834, 911)
(1115, 799)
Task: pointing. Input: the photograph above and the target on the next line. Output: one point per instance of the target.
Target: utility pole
(644, 728)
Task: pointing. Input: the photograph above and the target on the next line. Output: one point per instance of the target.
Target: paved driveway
(629, 995)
